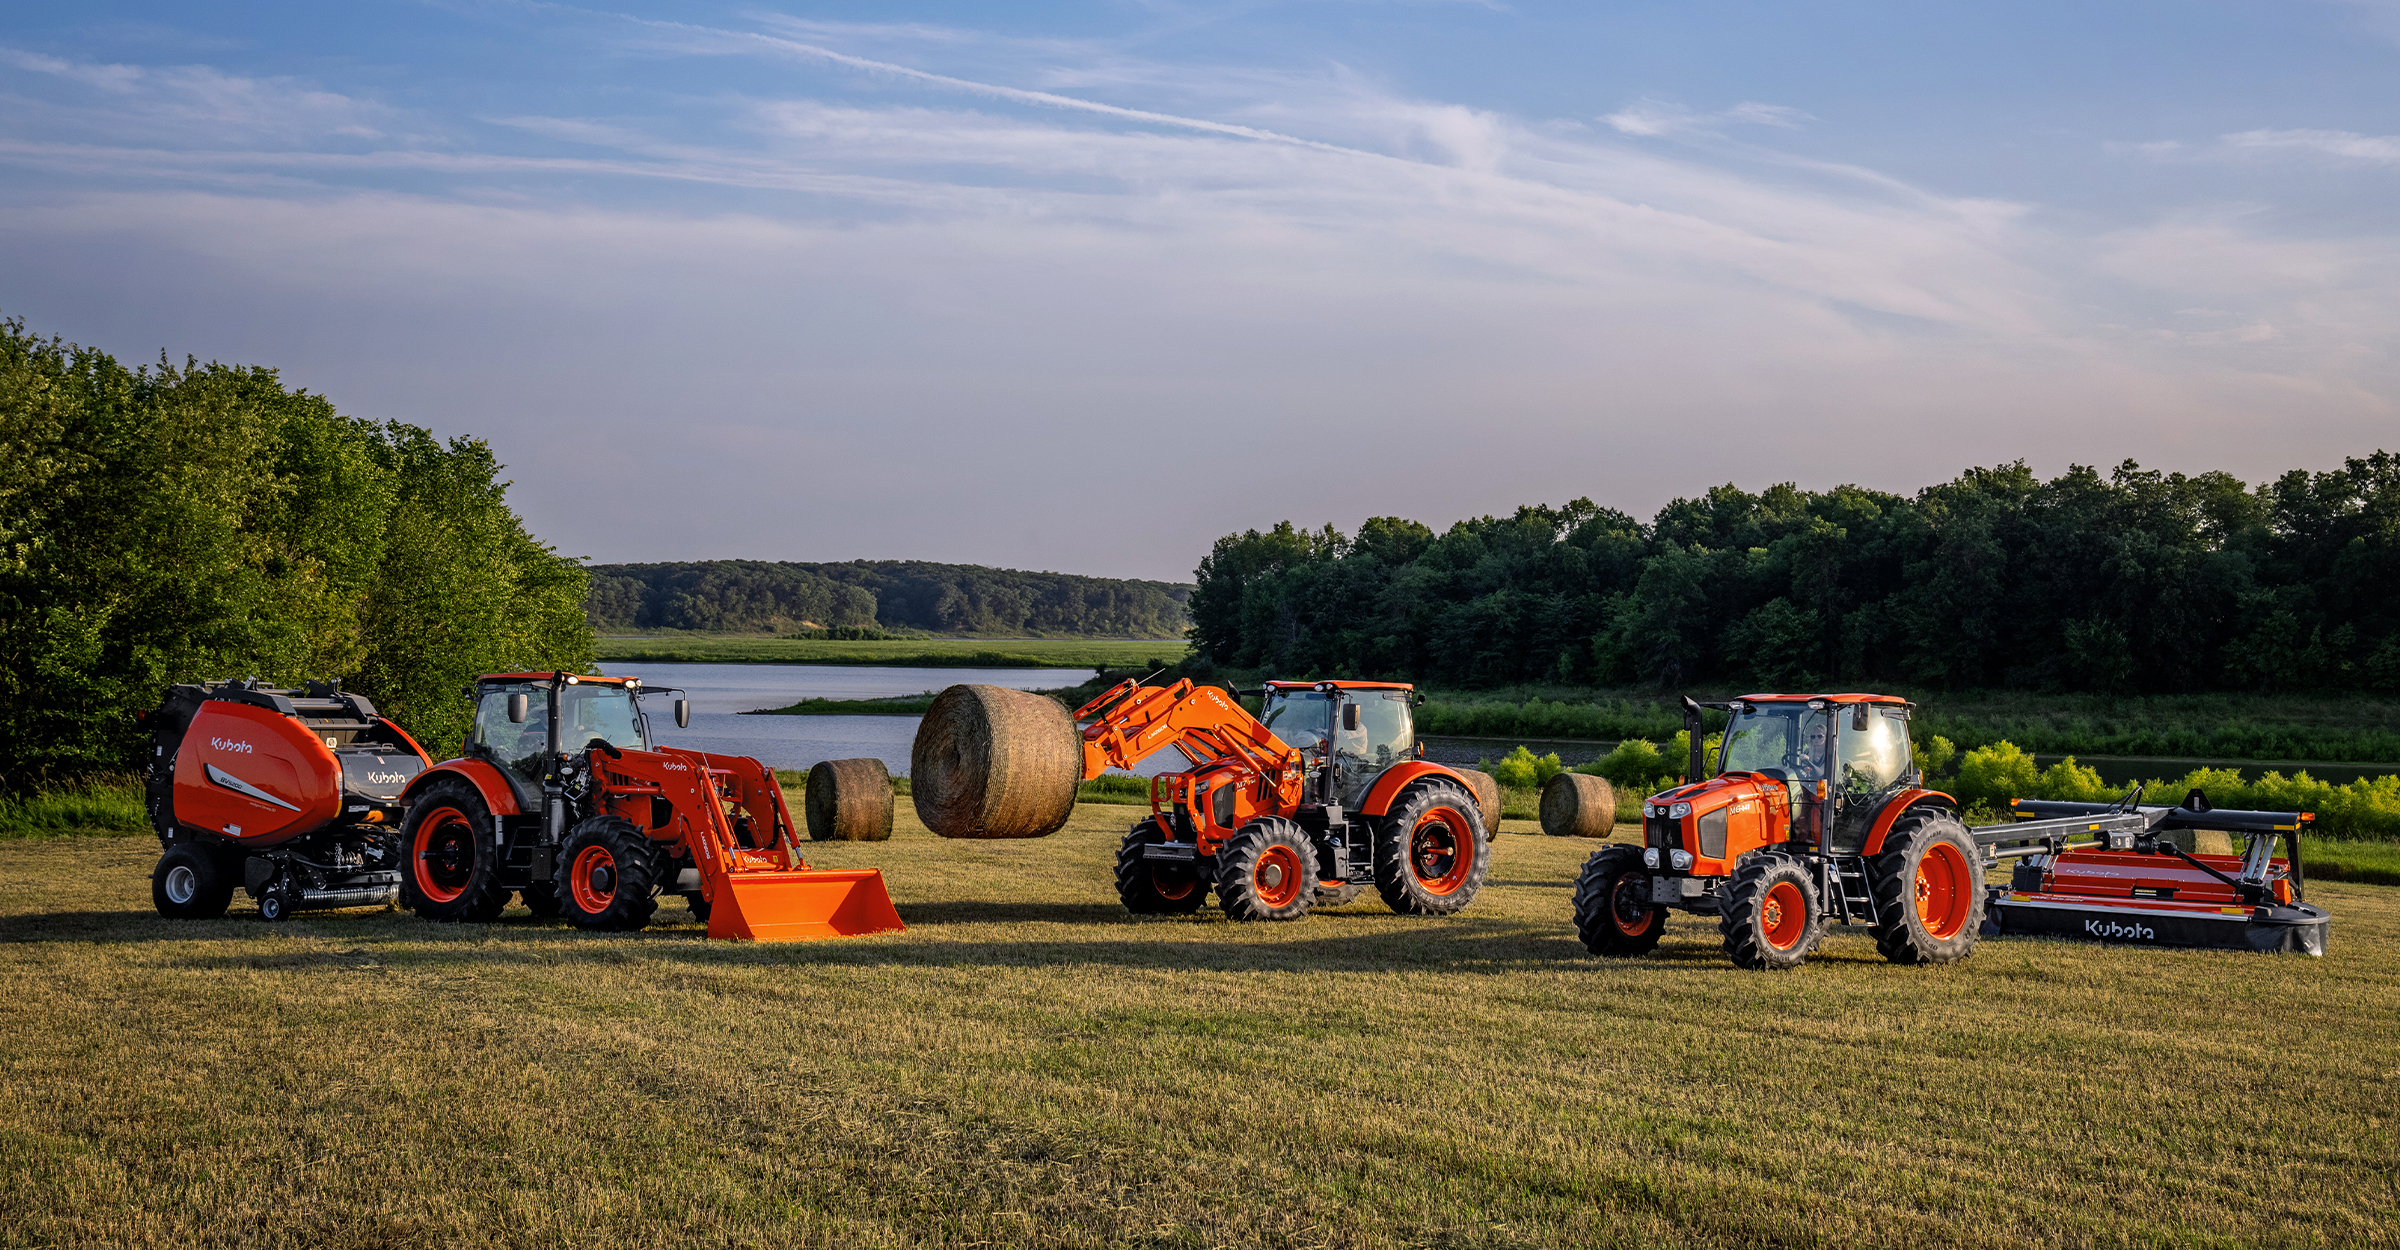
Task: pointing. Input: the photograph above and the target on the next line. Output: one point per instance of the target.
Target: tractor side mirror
(683, 713)
(1350, 717)
(1858, 719)
(517, 708)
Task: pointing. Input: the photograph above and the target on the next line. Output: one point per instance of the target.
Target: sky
(1084, 286)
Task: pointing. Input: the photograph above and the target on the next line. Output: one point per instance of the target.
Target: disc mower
(291, 795)
(1814, 814)
(561, 797)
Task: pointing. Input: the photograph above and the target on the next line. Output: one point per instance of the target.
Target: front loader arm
(1132, 722)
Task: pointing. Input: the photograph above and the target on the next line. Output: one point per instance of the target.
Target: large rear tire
(1150, 887)
(1928, 884)
(610, 876)
(1432, 851)
(1267, 871)
(191, 884)
(1613, 912)
(1772, 917)
(450, 868)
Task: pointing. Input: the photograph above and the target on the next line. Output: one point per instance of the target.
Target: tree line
(2132, 581)
(747, 596)
(177, 523)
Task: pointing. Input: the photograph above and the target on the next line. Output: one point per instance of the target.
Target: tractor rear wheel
(190, 884)
(611, 873)
(1771, 917)
(1432, 850)
(1928, 884)
(1267, 871)
(450, 870)
(1152, 887)
(1613, 911)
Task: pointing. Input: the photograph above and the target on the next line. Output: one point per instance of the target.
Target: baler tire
(542, 900)
(1149, 888)
(190, 884)
(611, 876)
(454, 807)
(1337, 895)
(1604, 919)
(1928, 886)
(1267, 871)
(1408, 845)
(1760, 933)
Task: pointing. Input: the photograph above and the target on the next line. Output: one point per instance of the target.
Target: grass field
(898, 652)
(1027, 1066)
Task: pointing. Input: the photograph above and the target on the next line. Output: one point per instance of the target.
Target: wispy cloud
(1653, 118)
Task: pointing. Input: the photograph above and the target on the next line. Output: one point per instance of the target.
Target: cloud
(195, 103)
(2341, 146)
(1656, 118)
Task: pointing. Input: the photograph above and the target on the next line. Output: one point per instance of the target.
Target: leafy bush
(1988, 777)
(1634, 766)
(1523, 770)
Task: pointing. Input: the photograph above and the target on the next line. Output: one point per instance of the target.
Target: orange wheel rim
(1276, 877)
(593, 879)
(1944, 892)
(1440, 851)
(1783, 916)
(1173, 884)
(1628, 906)
(443, 854)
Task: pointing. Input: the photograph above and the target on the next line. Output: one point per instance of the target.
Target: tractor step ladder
(1848, 896)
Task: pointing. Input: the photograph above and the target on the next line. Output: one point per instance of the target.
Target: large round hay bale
(1576, 805)
(1487, 796)
(849, 801)
(995, 763)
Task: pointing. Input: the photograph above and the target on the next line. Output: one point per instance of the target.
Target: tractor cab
(524, 722)
(1355, 729)
(1840, 758)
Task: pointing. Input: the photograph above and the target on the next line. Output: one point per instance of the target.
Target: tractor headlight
(1680, 859)
(1649, 810)
(1679, 811)
(1649, 857)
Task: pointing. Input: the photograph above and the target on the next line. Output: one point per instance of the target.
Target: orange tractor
(561, 797)
(1815, 813)
(1304, 805)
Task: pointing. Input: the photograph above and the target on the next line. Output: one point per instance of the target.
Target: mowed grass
(1028, 1066)
(898, 652)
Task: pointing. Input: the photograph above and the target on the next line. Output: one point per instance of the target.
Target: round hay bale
(849, 801)
(990, 762)
(1487, 797)
(1576, 805)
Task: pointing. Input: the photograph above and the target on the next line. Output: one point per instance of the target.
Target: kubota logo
(234, 745)
(387, 779)
(2111, 929)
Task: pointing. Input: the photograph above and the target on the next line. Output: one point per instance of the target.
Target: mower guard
(801, 905)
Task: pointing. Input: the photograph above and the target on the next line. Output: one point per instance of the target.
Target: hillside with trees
(2133, 581)
(749, 596)
(169, 524)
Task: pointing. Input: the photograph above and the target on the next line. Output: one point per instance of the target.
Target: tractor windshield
(1787, 738)
(1299, 717)
(607, 713)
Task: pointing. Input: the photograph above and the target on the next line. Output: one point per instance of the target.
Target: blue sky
(1083, 286)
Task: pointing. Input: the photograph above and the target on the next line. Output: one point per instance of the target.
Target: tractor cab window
(606, 713)
(1384, 737)
(520, 750)
(1784, 738)
(1300, 717)
(1874, 759)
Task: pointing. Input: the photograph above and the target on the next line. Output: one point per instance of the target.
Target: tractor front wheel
(1771, 917)
(190, 884)
(611, 875)
(1613, 911)
(1431, 852)
(1267, 871)
(1928, 884)
(1153, 887)
(450, 868)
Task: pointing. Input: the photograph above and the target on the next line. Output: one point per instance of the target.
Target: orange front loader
(560, 796)
(1303, 806)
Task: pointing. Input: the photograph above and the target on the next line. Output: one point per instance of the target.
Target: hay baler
(292, 795)
(560, 796)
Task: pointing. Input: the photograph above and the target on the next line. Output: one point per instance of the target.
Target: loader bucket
(801, 906)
